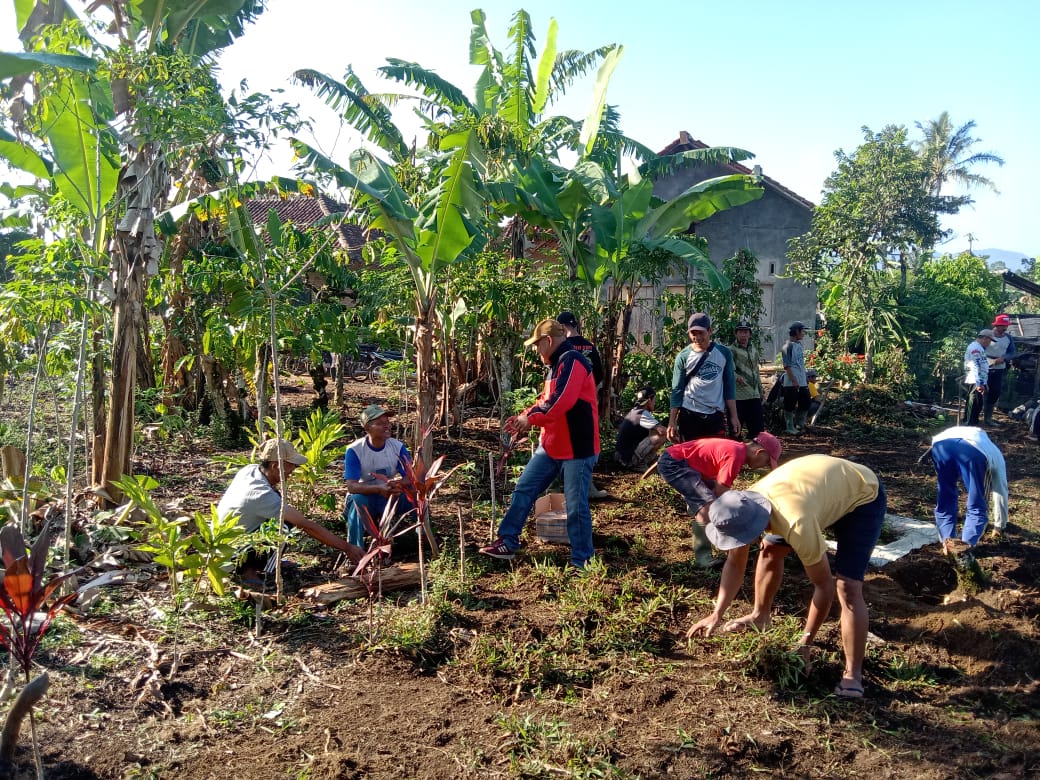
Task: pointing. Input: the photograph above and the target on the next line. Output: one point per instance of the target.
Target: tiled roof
(686, 142)
(304, 211)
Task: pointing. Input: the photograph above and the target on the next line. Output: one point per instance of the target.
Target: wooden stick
(649, 471)
(494, 511)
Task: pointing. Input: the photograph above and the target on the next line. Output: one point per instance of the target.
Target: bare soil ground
(525, 670)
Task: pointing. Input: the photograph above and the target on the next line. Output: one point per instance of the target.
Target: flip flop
(848, 691)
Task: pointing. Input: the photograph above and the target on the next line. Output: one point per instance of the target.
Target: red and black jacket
(567, 411)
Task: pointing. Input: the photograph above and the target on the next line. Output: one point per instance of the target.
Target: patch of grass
(768, 655)
(905, 674)
(545, 747)
(590, 623)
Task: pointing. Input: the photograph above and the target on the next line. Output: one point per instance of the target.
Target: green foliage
(951, 293)
(216, 543)
(643, 369)
(834, 363)
(891, 371)
(877, 216)
(727, 307)
(317, 440)
(201, 551)
(545, 747)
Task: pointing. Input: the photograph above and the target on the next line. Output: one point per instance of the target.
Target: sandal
(848, 691)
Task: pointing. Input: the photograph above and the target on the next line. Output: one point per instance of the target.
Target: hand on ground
(705, 627)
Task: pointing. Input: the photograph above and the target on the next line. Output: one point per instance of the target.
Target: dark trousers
(752, 416)
(994, 387)
(694, 425)
(797, 398)
(973, 405)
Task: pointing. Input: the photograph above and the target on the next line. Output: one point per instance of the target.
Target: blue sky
(791, 82)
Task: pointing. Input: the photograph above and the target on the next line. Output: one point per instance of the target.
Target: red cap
(770, 444)
(1002, 319)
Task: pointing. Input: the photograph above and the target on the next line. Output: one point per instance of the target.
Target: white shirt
(251, 497)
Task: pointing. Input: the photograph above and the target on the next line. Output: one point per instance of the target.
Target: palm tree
(948, 155)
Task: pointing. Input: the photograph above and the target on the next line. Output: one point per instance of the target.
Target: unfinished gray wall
(764, 227)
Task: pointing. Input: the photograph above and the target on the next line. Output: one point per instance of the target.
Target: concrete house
(764, 227)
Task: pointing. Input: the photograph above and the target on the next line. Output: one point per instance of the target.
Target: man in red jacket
(569, 443)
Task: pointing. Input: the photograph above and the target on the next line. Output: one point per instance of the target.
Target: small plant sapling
(370, 568)
(23, 597)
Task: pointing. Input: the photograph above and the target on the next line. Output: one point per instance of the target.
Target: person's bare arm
(729, 587)
(734, 418)
(822, 598)
(377, 487)
(322, 534)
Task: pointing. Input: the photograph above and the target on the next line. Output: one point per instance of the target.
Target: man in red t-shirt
(703, 469)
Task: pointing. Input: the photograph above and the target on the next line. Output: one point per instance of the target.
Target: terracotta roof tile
(686, 142)
(304, 211)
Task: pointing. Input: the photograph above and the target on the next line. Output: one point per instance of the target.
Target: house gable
(764, 227)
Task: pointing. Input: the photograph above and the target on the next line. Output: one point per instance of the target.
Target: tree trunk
(119, 426)
(145, 366)
(425, 377)
(317, 375)
(136, 251)
(263, 360)
(214, 389)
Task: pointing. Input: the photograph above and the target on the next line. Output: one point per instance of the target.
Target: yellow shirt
(810, 494)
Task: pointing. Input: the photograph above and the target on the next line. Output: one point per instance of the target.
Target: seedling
(23, 597)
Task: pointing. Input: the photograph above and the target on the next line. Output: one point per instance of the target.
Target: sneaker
(499, 550)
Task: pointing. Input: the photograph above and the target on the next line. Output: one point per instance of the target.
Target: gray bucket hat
(736, 518)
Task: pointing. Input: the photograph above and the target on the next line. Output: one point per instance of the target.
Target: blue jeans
(375, 504)
(956, 458)
(539, 473)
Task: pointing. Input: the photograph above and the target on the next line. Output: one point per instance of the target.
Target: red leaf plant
(506, 452)
(24, 594)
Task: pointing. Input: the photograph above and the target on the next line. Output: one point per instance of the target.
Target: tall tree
(877, 213)
(154, 39)
(948, 156)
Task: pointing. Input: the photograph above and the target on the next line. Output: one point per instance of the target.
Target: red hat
(771, 445)
(1001, 319)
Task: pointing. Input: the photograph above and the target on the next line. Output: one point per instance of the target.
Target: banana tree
(153, 35)
(430, 231)
(600, 218)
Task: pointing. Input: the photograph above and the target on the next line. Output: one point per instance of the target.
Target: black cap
(567, 318)
(743, 325)
(795, 327)
(645, 394)
(699, 320)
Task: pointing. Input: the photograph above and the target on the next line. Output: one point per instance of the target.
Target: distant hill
(1013, 260)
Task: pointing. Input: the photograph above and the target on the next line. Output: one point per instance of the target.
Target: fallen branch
(402, 575)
